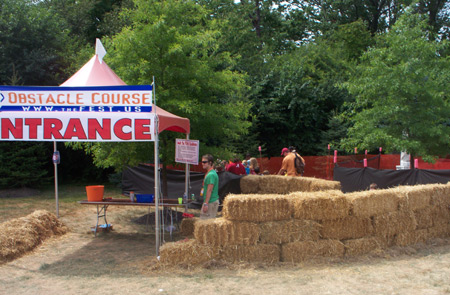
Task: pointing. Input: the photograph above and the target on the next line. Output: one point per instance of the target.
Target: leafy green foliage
(247, 73)
(24, 164)
(86, 20)
(299, 97)
(378, 15)
(177, 43)
(401, 90)
(299, 101)
(31, 44)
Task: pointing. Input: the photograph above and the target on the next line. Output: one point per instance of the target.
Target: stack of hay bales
(303, 225)
(319, 208)
(187, 226)
(405, 215)
(20, 235)
(277, 184)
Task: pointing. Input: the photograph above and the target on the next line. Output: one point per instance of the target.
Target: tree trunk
(256, 20)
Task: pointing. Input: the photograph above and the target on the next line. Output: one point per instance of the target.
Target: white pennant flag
(100, 51)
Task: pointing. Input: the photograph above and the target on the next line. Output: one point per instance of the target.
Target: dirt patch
(81, 264)
(124, 261)
(168, 216)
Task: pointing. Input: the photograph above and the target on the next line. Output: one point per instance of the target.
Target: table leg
(96, 225)
(99, 214)
(104, 214)
(171, 222)
(148, 217)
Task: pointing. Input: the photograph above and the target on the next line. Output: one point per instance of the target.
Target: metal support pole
(157, 228)
(187, 178)
(157, 184)
(56, 181)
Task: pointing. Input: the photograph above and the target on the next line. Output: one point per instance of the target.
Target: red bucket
(95, 193)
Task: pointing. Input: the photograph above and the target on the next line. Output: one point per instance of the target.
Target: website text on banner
(113, 113)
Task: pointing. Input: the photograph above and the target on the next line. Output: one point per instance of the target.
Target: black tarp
(358, 179)
(141, 180)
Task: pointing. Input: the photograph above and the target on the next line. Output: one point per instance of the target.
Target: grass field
(123, 261)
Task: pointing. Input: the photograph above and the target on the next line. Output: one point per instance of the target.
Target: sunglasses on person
(204, 162)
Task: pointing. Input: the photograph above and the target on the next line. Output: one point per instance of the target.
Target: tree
(401, 89)
(436, 12)
(86, 20)
(325, 15)
(298, 99)
(23, 164)
(31, 44)
(297, 102)
(256, 30)
(177, 43)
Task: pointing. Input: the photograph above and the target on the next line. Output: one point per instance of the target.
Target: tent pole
(157, 185)
(157, 229)
(55, 164)
(186, 181)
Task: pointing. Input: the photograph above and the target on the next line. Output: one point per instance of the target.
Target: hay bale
(300, 251)
(375, 202)
(279, 232)
(250, 184)
(274, 184)
(411, 237)
(362, 246)
(299, 184)
(265, 253)
(414, 197)
(258, 208)
(188, 253)
(20, 235)
(441, 195)
(327, 205)
(440, 215)
(385, 241)
(346, 228)
(441, 231)
(393, 223)
(318, 184)
(222, 232)
(424, 218)
(187, 226)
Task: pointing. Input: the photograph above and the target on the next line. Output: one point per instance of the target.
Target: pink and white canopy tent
(97, 73)
(94, 73)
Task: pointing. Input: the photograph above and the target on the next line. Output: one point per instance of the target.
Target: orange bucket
(95, 193)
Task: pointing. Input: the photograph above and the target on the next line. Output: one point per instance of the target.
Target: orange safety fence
(322, 166)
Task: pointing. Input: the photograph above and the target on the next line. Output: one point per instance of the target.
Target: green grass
(68, 196)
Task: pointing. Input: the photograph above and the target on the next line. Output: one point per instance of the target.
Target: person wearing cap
(288, 164)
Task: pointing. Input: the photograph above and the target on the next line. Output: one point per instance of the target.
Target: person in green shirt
(210, 190)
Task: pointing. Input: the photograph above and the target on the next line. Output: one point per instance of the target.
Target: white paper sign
(187, 151)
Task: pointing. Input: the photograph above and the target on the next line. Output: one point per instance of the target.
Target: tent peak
(100, 51)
